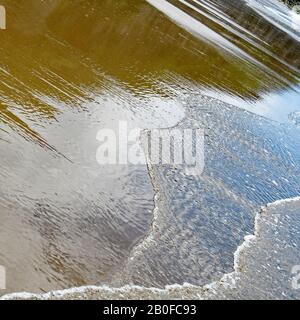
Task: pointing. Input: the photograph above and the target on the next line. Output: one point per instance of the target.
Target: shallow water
(265, 267)
(71, 68)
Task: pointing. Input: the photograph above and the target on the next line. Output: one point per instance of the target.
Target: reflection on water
(69, 68)
(278, 105)
(279, 15)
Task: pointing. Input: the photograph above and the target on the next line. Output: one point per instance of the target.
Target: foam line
(185, 291)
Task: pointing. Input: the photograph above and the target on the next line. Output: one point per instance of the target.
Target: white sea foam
(284, 201)
(223, 288)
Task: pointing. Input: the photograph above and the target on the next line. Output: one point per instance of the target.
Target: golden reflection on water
(56, 49)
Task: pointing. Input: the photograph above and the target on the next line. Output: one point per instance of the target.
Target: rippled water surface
(70, 68)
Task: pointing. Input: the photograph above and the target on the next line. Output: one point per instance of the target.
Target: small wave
(242, 283)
